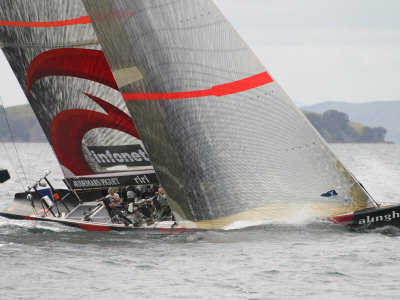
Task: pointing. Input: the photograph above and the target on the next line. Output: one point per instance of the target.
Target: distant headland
(373, 114)
(333, 125)
(23, 124)
(336, 127)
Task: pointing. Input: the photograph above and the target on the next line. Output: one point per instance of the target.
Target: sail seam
(44, 46)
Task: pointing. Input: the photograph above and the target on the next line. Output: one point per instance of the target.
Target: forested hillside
(336, 127)
(374, 114)
(23, 123)
(333, 125)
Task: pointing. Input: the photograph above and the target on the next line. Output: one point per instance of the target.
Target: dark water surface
(301, 259)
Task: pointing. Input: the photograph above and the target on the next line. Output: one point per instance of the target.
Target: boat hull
(4, 175)
(370, 218)
(21, 209)
(161, 227)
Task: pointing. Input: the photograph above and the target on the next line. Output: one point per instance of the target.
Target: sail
(57, 59)
(225, 140)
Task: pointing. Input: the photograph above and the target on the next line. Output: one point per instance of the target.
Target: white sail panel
(226, 142)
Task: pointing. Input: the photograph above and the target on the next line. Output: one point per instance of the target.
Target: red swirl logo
(68, 128)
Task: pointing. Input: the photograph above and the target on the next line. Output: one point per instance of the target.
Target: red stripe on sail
(76, 62)
(77, 21)
(217, 90)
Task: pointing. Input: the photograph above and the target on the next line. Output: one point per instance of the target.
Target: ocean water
(302, 259)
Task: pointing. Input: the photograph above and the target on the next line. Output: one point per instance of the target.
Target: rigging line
(12, 138)
(364, 189)
(9, 158)
(28, 139)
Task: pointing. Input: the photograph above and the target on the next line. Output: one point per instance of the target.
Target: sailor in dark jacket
(161, 202)
(133, 193)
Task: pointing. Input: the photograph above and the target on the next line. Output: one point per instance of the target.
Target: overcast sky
(318, 50)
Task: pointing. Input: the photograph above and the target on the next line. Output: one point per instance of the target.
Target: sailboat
(173, 85)
(70, 87)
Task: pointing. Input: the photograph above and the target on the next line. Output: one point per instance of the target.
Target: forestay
(56, 57)
(226, 142)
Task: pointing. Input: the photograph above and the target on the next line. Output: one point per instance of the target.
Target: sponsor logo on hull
(81, 183)
(380, 218)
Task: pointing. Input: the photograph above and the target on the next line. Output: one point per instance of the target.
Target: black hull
(4, 175)
(370, 218)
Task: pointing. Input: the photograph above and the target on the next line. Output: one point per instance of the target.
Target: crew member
(133, 193)
(138, 219)
(161, 202)
(111, 202)
(113, 199)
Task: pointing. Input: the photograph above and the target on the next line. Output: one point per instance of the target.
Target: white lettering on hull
(141, 179)
(82, 183)
(386, 218)
(107, 157)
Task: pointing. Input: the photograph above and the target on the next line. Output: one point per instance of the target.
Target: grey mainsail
(55, 55)
(225, 140)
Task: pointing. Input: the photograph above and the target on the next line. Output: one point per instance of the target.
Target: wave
(303, 217)
(9, 226)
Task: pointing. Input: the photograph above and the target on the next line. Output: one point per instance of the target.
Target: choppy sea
(308, 259)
